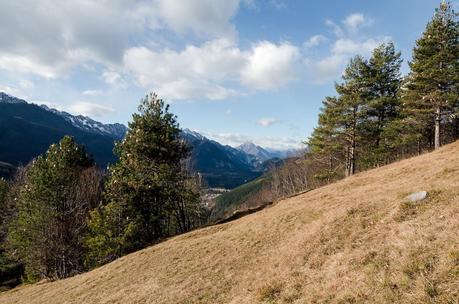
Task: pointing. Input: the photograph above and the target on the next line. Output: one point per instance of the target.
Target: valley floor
(355, 241)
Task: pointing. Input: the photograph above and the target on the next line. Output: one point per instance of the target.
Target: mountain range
(27, 130)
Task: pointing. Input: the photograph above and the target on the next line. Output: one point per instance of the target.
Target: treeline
(62, 215)
(378, 116)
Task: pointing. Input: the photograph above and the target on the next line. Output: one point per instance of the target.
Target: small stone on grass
(417, 196)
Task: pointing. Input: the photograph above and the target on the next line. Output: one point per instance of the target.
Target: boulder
(417, 196)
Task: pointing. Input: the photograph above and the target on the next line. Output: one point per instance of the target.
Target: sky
(233, 70)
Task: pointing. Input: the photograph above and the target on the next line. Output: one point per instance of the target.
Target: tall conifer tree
(353, 93)
(383, 81)
(52, 206)
(432, 86)
(147, 195)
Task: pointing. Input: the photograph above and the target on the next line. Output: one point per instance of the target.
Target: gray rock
(417, 196)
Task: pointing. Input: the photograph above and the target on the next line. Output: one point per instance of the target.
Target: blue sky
(234, 70)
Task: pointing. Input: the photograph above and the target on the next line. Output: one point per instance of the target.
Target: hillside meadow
(355, 241)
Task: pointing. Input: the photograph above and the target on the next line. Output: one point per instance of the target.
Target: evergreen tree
(52, 206)
(326, 143)
(383, 81)
(353, 94)
(10, 270)
(339, 132)
(147, 196)
(431, 95)
(3, 190)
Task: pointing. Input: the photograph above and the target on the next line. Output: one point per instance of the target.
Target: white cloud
(214, 70)
(330, 67)
(336, 29)
(346, 45)
(351, 47)
(270, 66)
(26, 84)
(194, 72)
(90, 109)
(92, 92)
(234, 140)
(26, 65)
(56, 35)
(352, 23)
(113, 78)
(267, 121)
(355, 21)
(315, 41)
(204, 17)
(13, 91)
(279, 4)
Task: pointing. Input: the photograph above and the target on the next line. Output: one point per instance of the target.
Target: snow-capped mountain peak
(254, 150)
(86, 123)
(194, 134)
(79, 121)
(10, 99)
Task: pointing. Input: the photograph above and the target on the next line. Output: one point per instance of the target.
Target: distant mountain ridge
(27, 130)
(220, 166)
(116, 130)
(258, 152)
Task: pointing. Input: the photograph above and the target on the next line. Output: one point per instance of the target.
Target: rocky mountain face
(86, 123)
(220, 166)
(257, 152)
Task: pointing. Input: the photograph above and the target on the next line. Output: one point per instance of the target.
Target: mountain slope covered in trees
(28, 130)
(357, 240)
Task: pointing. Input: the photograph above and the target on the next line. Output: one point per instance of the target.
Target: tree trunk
(352, 160)
(437, 128)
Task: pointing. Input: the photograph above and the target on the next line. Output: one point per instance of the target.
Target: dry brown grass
(356, 241)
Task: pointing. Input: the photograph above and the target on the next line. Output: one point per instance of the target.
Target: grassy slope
(355, 241)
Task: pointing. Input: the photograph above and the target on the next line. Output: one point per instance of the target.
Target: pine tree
(431, 95)
(326, 144)
(3, 192)
(147, 196)
(336, 140)
(352, 98)
(52, 207)
(10, 270)
(383, 81)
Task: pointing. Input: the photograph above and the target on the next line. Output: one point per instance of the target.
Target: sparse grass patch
(430, 288)
(454, 259)
(454, 256)
(270, 293)
(419, 263)
(376, 261)
(409, 210)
